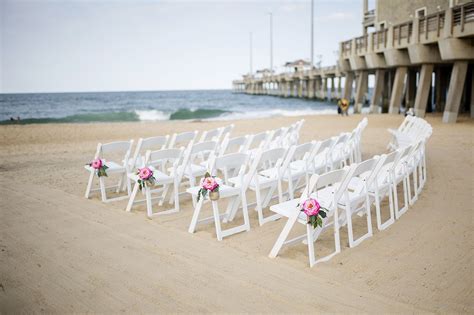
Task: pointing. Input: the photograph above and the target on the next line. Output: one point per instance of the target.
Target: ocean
(152, 106)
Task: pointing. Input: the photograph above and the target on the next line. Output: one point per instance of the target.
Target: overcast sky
(74, 45)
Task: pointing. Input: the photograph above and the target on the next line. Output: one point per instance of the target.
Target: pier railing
(430, 27)
(462, 15)
(402, 34)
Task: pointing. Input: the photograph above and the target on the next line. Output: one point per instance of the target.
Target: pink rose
(145, 173)
(96, 164)
(311, 207)
(209, 183)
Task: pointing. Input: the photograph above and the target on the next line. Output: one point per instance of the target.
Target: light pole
(250, 61)
(271, 42)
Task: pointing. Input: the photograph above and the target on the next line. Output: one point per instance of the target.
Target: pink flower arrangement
(99, 166)
(314, 212)
(145, 177)
(208, 184)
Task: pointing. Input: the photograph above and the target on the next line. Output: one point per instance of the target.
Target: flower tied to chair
(208, 185)
(314, 212)
(145, 178)
(99, 166)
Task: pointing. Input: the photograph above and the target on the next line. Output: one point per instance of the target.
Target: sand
(62, 253)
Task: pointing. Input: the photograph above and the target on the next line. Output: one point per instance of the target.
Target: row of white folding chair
(177, 140)
(343, 192)
(410, 131)
(172, 166)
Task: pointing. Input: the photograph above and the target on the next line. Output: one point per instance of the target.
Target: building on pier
(420, 54)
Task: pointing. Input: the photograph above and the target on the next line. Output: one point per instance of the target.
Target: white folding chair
(336, 183)
(270, 163)
(358, 200)
(399, 175)
(182, 139)
(197, 164)
(157, 161)
(143, 145)
(236, 194)
(120, 151)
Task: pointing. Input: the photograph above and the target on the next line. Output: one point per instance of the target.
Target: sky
(85, 45)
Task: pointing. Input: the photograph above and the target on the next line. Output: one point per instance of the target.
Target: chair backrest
(162, 157)
(182, 139)
(211, 135)
(227, 130)
(143, 145)
(118, 150)
(272, 158)
(303, 151)
(259, 140)
(232, 145)
(367, 172)
(115, 147)
(339, 179)
(230, 162)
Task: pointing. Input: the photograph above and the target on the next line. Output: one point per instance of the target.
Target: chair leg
(194, 220)
(132, 198)
(89, 184)
(217, 220)
(245, 210)
(102, 189)
(176, 196)
(283, 235)
(310, 240)
(149, 206)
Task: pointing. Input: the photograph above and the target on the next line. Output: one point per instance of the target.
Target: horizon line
(117, 91)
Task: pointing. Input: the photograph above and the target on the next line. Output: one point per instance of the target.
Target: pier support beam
(333, 89)
(410, 89)
(456, 87)
(423, 90)
(299, 84)
(379, 83)
(339, 87)
(397, 91)
(324, 88)
(310, 90)
(361, 89)
(348, 85)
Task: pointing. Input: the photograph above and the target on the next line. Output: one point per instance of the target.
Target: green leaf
(322, 213)
(207, 174)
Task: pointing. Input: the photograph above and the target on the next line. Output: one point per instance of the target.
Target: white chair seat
(287, 208)
(224, 191)
(159, 176)
(263, 181)
(112, 167)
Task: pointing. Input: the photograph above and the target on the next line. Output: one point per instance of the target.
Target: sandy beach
(62, 253)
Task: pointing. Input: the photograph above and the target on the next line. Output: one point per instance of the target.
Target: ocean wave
(197, 113)
(79, 118)
(274, 113)
(205, 114)
(152, 115)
